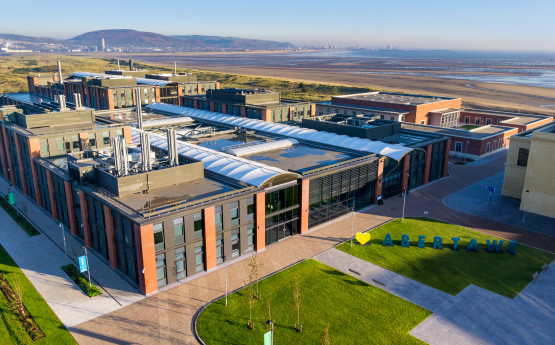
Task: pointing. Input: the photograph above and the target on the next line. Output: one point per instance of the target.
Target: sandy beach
(353, 72)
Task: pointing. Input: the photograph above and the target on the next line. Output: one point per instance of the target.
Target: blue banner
(82, 264)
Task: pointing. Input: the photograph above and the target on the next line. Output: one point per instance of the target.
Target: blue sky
(447, 24)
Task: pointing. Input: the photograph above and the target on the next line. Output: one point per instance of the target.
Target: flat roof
(477, 133)
(396, 98)
(185, 192)
(364, 107)
(27, 97)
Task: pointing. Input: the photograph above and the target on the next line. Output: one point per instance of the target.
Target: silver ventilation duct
(121, 159)
(60, 80)
(172, 147)
(146, 164)
(62, 102)
(139, 108)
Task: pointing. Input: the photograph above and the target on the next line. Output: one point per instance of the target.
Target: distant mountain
(127, 38)
(233, 42)
(132, 40)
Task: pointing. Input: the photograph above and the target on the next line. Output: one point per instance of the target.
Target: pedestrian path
(475, 200)
(394, 283)
(41, 257)
(474, 316)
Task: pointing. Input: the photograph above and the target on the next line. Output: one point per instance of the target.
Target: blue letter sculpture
(421, 243)
(387, 241)
(472, 246)
(405, 241)
(512, 247)
(455, 243)
(437, 242)
(494, 246)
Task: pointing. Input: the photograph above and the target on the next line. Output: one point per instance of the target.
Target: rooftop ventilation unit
(62, 102)
(60, 72)
(121, 160)
(172, 147)
(263, 147)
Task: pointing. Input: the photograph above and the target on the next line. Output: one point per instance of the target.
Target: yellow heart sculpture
(362, 238)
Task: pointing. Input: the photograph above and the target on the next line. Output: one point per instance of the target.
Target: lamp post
(64, 237)
(525, 207)
(225, 269)
(353, 218)
(404, 198)
(466, 150)
(88, 267)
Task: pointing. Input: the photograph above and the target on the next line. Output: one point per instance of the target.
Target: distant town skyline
(480, 25)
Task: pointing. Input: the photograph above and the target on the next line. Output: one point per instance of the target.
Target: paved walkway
(474, 316)
(479, 316)
(394, 283)
(475, 200)
(40, 258)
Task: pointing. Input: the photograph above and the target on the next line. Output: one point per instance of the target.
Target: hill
(127, 38)
(233, 42)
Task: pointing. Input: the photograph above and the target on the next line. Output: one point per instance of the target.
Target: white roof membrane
(394, 151)
(240, 169)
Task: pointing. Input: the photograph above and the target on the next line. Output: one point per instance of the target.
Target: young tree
(326, 336)
(255, 267)
(297, 303)
(250, 301)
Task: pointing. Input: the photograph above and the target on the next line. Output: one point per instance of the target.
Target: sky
(423, 24)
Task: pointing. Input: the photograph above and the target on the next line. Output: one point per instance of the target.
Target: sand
(343, 72)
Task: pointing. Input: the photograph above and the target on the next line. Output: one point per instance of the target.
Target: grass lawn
(357, 312)
(11, 330)
(449, 270)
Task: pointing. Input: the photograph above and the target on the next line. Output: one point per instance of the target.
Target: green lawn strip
(448, 270)
(468, 127)
(357, 312)
(23, 223)
(79, 278)
(50, 325)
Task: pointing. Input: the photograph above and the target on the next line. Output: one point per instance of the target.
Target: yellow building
(530, 170)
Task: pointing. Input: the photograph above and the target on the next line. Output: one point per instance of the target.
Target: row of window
(478, 121)
(494, 145)
(74, 143)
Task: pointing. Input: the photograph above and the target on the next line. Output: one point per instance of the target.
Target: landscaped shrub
(20, 219)
(81, 280)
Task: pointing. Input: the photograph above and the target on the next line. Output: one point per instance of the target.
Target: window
(234, 213)
(458, 146)
(522, 157)
(250, 209)
(60, 144)
(354, 112)
(161, 269)
(235, 250)
(197, 219)
(250, 237)
(119, 133)
(44, 148)
(92, 140)
(392, 118)
(178, 230)
(500, 143)
(422, 122)
(488, 121)
(477, 121)
(106, 138)
(158, 237)
(75, 141)
(467, 119)
(199, 257)
(218, 218)
(219, 248)
(488, 147)
(180, 263)
(498, 121)
(494, 145)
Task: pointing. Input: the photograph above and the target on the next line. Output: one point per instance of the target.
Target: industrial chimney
(60, 80)
(172, 147)
(130, 64)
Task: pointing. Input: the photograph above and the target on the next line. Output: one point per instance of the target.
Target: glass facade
(282, 213)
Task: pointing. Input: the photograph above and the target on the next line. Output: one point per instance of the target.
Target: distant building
(530, 170)
(418, 109)
(253, 104)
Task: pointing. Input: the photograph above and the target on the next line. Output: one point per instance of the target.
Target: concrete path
(41, 257)
(474, 316)
(479, 316)
(394, 283)
(475, 200)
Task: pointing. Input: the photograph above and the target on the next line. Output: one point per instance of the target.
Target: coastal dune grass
(357, 312)
(11, 329)
(450, 270)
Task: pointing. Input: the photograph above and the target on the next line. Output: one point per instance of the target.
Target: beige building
(530, 170)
